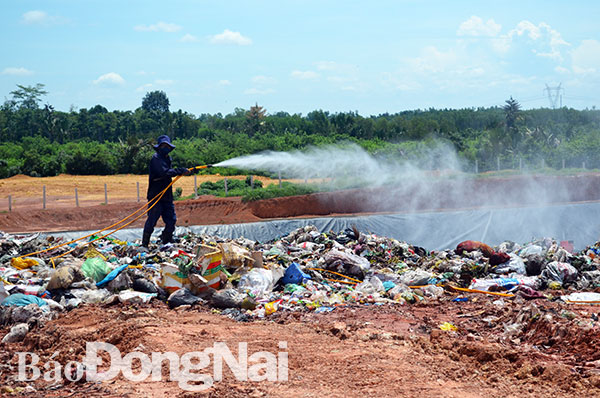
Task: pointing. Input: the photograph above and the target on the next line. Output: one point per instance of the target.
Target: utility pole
(554, 95)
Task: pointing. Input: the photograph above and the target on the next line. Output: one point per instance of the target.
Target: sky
(298, 56)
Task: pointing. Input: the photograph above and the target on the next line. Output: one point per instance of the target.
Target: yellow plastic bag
(448, 327)
(23, 263)
(272, 307)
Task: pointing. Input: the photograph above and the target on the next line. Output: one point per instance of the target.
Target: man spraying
(159, 178)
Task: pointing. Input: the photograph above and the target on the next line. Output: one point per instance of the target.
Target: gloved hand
(182, 171)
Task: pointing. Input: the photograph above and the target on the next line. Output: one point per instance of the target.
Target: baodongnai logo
(189, 369)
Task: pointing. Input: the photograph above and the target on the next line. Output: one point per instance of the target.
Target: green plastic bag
(95, 268)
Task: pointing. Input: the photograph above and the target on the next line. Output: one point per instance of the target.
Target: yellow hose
(154, 199)
(336, 273)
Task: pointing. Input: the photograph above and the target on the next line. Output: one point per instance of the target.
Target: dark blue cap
(164, 139)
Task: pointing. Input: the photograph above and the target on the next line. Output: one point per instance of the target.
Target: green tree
(255, 118)
(512, 112)
(28, 97)
(156, 102)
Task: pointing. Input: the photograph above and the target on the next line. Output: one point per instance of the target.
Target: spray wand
(206, 166)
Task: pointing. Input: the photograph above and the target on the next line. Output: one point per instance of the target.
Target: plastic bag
(64, 276)
(504, 283)
(472, 245)
(90, 296)
(182, 297)
(532, 250)
(293, 274)
(228, 298)
(272, 307)
(144, 285)
(17, 333)
(234, 255)
(582, 298)
(23, 263)
(515, 264)
(259, 281)
(130, 297)
(560, 272)
(95, 268)
(112, 275)
(21, 300)
(352, 264)
(417, 277)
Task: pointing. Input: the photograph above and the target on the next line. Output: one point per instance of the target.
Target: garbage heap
(304, 271)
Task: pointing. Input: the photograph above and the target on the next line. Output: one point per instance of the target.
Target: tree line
(37, 140)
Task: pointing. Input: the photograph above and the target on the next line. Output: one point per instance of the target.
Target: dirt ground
(27, 192)
(354, 351)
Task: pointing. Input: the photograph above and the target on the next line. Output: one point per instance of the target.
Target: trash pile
(304, 271)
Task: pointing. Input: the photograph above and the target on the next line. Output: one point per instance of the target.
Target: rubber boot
(146, 240)
(166, 238)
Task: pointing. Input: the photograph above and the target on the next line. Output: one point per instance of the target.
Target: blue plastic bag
(21, 300)
(293, 274)
(112, 275)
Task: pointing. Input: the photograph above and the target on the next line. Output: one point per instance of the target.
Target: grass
(243, 189)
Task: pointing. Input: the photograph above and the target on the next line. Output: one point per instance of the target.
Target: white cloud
(304, 75)
(229, 37)
(432, 60)
(144, 87)
(260, 79)
(17, 71)
(560, 69)
(258, 91)
(35, 16)
(224, 83)
(327, 65)
(159, 27)
(343, 76)
(586, 57)
(157, 82)
(110, 78)
(38, 17)
(188, 38)
(542, 39)
(475, 26)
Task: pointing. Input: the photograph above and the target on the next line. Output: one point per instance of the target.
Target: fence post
(279, 175)
(498, 162)
(225, 180)
(105, 195)
(137, 184)
(195, 187)
(543, 164)
(583, 165)
(44, 196)
(520, 163)
(251, 182)
(476, 166)
(9, 203)
(563, 163)
(76, 198)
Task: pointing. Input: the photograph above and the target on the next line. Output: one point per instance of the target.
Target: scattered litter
(306, 270)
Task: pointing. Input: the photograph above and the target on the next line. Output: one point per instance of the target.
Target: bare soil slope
(27, 215)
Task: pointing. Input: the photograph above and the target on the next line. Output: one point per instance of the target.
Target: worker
(159, 178)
